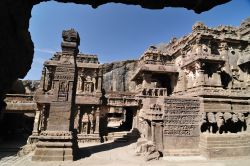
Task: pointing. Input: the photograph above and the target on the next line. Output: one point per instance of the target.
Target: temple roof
(162, 69)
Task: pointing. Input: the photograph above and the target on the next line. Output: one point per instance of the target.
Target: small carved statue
(152, 153)
(204, 123)
(91, 120)
(85, 122)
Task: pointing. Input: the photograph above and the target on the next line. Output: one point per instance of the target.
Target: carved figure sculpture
(152, 153)
(228, 122)
(235, 123)
(237, 82)
(242, 122)
(85, 122)
(91, 120)
(212, 127)
(248, 122)
(204, 123)
(220, 122)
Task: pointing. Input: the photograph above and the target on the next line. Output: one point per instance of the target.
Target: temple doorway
(120, 119)
(15, 129)
(163, 81)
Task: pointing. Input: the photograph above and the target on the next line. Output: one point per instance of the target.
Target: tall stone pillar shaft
(200, 78)
(99, 83)
(58, 141)
(153, 132)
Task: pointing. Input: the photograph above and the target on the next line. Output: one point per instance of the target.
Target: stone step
(118, 134)
(182, 152)
(121, 139)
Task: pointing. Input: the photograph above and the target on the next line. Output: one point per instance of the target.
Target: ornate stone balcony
(154, 92)
(201, 57)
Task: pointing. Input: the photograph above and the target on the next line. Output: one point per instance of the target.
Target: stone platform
(55, 146)
(224, 146)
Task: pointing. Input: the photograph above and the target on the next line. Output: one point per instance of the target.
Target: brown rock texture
(117, 75)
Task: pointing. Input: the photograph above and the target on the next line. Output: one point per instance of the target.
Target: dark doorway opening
(122, 121)
(15, 129)
(164, 81)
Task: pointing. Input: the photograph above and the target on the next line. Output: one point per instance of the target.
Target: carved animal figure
(220, 122)
(204, 123)
(228, 122)
(248, 122)
(152, 153)
(235, 123)
(212, 127)
(242, 122)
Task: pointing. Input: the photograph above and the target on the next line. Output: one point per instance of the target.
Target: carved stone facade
(56, 97)
(186, 95)
(208, 87)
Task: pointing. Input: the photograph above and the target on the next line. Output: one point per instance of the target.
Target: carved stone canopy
(71, 36)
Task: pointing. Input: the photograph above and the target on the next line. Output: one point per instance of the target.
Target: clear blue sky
(119, 32)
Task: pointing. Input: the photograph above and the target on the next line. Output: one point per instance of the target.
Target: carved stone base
(88, 138)
(56, 146)
(222, 146)
(182, 152)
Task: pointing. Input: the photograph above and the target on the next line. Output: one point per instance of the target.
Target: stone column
(58, 141)
(99, 82)
(146, 82)
(200, 78)
(42, 80)
(36, 123)
(49, 78)
(153, 124)
(224, 54)
(42, 119)
(76, 123)
(97, 120)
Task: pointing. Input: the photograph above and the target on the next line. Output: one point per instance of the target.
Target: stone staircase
(123, 136)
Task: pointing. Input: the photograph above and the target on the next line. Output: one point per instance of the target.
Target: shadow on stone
(90, 150)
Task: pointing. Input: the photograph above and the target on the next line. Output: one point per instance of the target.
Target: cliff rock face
(24, 87)
(117, 76)
(16, 46)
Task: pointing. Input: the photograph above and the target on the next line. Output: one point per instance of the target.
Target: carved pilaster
(97, 120)
(153, 124)
(36, 123)
(146, 82)
(99, 81)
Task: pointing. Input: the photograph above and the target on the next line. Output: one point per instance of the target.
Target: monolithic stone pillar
(42, 81)
(58, 141)
(153, 124)
(146, 82)
(76, 123)
(99, 81)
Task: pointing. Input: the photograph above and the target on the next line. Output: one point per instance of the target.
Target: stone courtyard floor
(117, 154)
